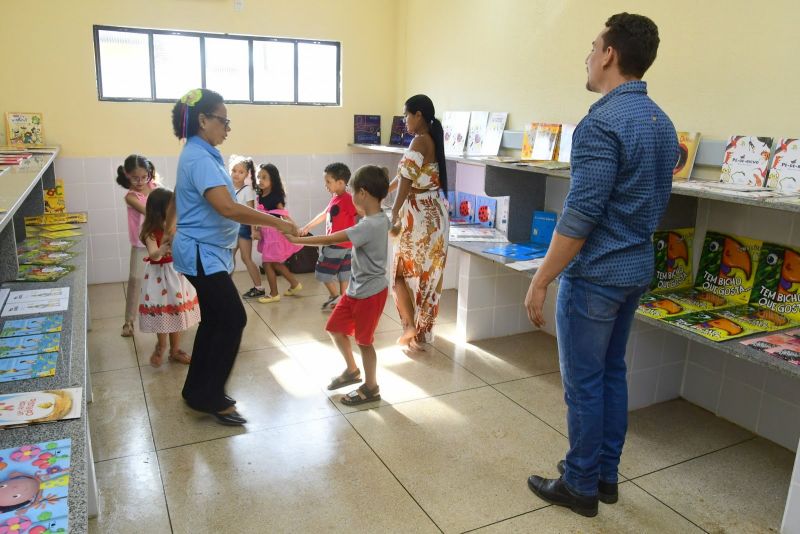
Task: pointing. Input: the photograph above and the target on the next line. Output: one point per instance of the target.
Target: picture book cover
(367, 129)
(517, 251)
(36, 257)
(60, 234)
(451, 203)
(25, 367)
(712, 325)
(59, 227)
(24, 129)
(673, 259)
(34, 487)
(528, 137)
(45, 245)
(54, 199)
(546, 142)
(688, 142)
(757, 318)
(57, 218)
(777, 281)
(784, 345)
(784, 173)
(495, 127)
(746, 160)
(485, 210)
(728, 265)
(399, 136)
(565, 142)
(672, 303)
(456, 127)
(34, 325)
(32, 407)
(478, 121)
(465, 208)
(542, 227)
(42, 273)
(30, 295)
(11, 347)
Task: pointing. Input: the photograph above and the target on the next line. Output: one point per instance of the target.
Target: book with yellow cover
(712, 325)
(545, 144)
(673, 259)
(687, 144)
(528, 136)
(54, 201)
(24, 129)
(57, 218)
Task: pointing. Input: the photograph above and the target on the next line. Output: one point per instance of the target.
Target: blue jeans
(593, 323)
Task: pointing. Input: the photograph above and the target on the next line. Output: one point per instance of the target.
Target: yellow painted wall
(724, 66)
(48, 44)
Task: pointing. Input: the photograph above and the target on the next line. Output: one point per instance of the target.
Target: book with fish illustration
(673, 259)
(32, 344)
(25, 367)
(34, 325)
(34, 487)
(31, 407)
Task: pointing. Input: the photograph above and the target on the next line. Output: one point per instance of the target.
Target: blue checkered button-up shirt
(623, 153)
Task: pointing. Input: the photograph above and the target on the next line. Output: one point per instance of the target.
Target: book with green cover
(673, 259)
(671, 303)
(712, 325)
(42, 273)
(36, 257)
(44, 245)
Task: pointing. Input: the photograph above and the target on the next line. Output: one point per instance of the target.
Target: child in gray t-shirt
(359, 310)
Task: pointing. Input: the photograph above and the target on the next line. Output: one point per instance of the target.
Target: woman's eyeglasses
(225, 121)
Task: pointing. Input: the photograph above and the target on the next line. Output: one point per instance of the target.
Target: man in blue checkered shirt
(623, 153)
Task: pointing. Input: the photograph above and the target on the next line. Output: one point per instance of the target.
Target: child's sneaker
(294, 290)
(269, 300)
(253, 293)
(330, 303)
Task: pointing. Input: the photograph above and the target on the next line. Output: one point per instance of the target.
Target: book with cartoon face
(34, 325)
(746, 160)
(673, 259)
(712, 325)
(777, 281)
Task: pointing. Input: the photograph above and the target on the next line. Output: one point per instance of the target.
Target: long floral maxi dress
(421, 251)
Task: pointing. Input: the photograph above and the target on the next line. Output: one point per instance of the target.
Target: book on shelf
(746, 160)
(485, 210)
(54, 199)
(44, 257)
(713, 325)
(27, 367)
(465, 208)
(40, 473)
(367, 129)
(35, 407)
(58, 234)
(45, 245)
(24, 129)
(58, 227)
(542, 228)
(399, 136)
(545, 145)
(528, 136)
(32, 344)
(57, 218)
(13, 159)
(34, 325)
(784, 173)
(688, 142)
(476, 233)
(495, 126)
(517, 251)
(526, 265)
(43, 273)
(476, 135)
(672, 251)
(784, 345)
(565, 142)
(456, 127)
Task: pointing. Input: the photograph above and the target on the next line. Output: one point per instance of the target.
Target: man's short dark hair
(339, 171)
(372, 179)
(635, 38)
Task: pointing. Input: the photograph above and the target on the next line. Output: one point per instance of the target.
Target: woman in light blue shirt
(208, 218)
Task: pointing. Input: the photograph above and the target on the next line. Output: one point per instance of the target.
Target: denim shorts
(245, 231)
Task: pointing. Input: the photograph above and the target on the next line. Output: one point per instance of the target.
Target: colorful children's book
(528, 137)
(37, 301)
(784, 345)
(746, 160)
(44, 245)
(34, 325)
(399, 136)
(25, 367)
(517, 251)
(495, 127)
(687, 144)
(59, 234)
(565, 143)
(11, 347)
(784, 173)
(465, 209)
(367, 129)
(43, 273)
(545, 143)
(54, 199)
(777, 281)
(478, 121)
(712, 325)
(36, 257)
(57, 218)
(24, 129)
(32, 407)
(456, 127)
(59, 227)
(485, 209)
(672, 303)
(35, 480)
(673, 259)
(476, 233)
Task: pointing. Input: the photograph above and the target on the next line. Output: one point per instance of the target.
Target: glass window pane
(177, 59)
(316, 73)
(273, 71)
(228, 68)
(124, 64)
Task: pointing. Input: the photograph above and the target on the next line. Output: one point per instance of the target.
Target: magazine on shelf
(688, 142)
(517, 251)
(4, 295)
(712, 325)
(27, 367)
(456, 128)
(478, 122)
(34, 325)
(528, 136)
(784, 345)
(542, 228)
(526, 265)
(36, 301)
(746, 160)
(33, 407)
(784, 173)
(41, 476)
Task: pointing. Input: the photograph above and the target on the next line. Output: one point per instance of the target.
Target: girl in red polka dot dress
(168, 303)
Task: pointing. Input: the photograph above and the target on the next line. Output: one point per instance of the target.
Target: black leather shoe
(230, 419)
(230, 400)
(607, 492)
(555, 491)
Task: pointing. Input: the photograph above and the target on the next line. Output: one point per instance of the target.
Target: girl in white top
(243, 174)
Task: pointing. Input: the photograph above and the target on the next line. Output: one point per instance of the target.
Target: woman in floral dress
(419, 217)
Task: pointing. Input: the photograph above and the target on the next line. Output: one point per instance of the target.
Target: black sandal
(362, 395)
(345, 379)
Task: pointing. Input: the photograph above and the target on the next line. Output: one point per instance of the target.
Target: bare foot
(417, 345)
(409, 333)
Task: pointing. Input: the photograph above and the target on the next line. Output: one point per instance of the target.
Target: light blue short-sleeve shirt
(200, 228)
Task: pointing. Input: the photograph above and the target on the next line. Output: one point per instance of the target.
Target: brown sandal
(362, 395)
(157, 357)
(180, 357)
(345, 379)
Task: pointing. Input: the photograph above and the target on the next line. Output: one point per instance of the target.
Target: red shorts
(358, 317)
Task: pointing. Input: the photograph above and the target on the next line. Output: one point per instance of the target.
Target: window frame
(150, 32)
